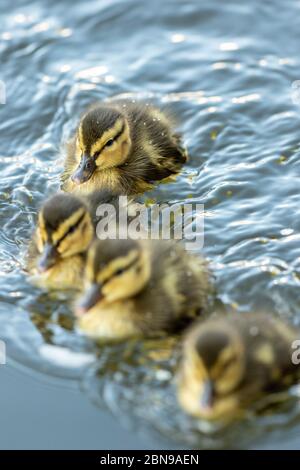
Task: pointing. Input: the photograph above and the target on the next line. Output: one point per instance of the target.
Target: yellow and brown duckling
(141, 288)
(65, 229)
(228, 363)
(122, 145)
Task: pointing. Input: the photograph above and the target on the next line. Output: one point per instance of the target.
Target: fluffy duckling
(123, 145)
(230, 362)
(141, 288)
(65, 229)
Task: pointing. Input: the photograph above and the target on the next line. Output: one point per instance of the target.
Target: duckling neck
(66, 274)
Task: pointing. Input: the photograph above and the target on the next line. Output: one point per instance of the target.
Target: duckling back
(183, 284)
(153, 136)
(269, 344)
(229, 362)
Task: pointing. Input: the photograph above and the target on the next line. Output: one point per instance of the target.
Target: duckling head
(213, 368)
(64, 229)
(116, 270)
(103, 141)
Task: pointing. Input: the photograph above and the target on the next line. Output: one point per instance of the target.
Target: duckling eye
(119, 272)
(109, 143)
(228, 363)
(72, 229)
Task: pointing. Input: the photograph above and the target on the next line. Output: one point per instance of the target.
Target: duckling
(124, 145)
(65, 229)
(141, 288)
(228, 363)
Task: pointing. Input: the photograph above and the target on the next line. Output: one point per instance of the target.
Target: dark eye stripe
(228, 364)
(121, 270)
(109, 142)
(71, 229)
(112, 139)
(118, 134)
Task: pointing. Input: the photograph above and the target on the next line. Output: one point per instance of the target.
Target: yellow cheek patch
(107, 135)
(115, 265)
(265, 354)
(197, 368)
(79, 240)
(67, 224)
(42, 226)
(39, 240)
(79, 142)
(89, 267)
(223, 358)
(74, 240)
(229, 379)
(41, 232)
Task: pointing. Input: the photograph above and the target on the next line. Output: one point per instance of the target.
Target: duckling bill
(143, 288)
(122, 145)
(228, 363)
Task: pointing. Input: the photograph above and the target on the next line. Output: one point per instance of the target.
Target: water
(227, 70)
